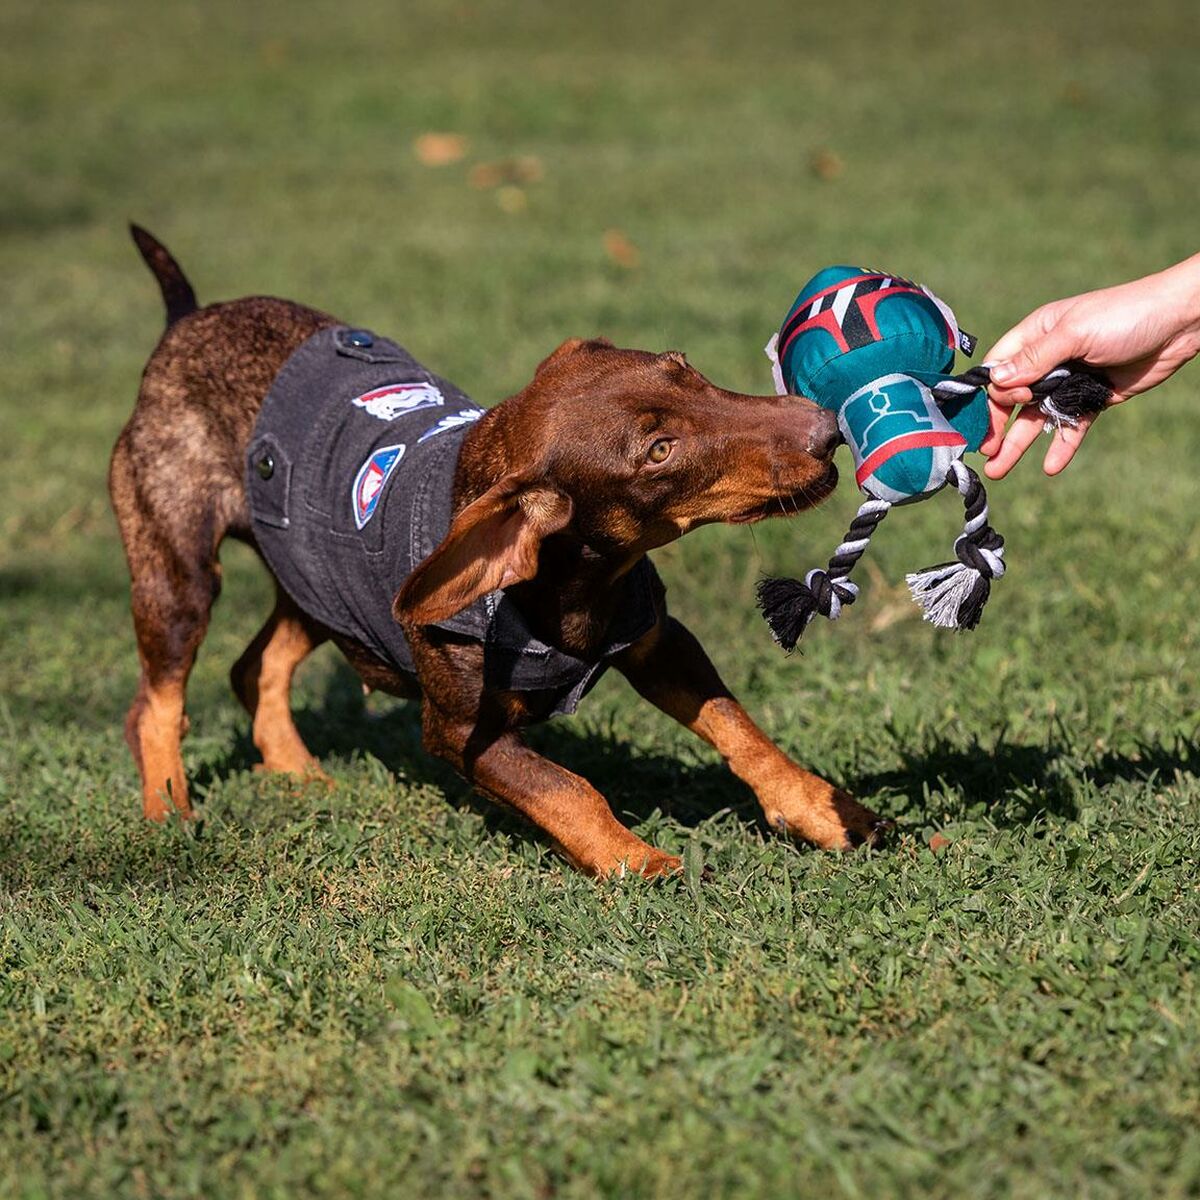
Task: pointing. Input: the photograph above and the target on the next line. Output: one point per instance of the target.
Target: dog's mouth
(790, 503)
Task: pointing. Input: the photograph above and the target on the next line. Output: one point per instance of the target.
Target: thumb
(1029, 351)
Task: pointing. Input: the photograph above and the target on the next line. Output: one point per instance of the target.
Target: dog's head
(623, 450)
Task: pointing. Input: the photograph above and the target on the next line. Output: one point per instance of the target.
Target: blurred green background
(389, 989)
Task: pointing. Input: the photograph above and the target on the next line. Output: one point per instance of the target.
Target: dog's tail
(177, 292)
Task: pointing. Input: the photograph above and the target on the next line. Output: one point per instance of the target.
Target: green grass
(389, 989)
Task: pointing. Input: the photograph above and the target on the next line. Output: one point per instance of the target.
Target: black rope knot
(969, 551)
(1065, 395)
(953, 594)
(829, 592)
(788, 605)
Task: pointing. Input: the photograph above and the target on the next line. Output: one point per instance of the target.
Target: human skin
(1139, 332)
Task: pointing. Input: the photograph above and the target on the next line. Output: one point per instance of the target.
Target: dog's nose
(824, 435)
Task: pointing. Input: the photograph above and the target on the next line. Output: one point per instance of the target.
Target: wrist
(1181, 292)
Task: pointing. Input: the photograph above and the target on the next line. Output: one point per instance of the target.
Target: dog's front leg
(670, 669)
(476, 733)
(575, 816)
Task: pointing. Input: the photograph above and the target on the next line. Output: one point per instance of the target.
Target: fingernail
(1003, 372)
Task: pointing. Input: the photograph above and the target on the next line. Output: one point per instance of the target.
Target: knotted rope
(1065, 395)
(788, 605)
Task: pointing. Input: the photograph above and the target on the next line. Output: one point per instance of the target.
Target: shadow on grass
(1012, 784)
(1009, 784)
(59, 854)
(54, 587)
(636, 784)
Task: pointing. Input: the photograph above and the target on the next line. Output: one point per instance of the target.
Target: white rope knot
(953, 594)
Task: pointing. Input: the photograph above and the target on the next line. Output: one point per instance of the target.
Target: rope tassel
(954, 594)
(789, 605)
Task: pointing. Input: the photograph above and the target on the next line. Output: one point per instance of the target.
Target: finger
(1001, 402)
(1022, 433)
(1066, 441)
(1027, 353)
(997, 418)
(1010, 397)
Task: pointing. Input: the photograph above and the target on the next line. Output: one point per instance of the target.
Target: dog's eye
(660, 450)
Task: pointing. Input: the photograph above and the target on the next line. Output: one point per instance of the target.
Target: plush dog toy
(878, 350)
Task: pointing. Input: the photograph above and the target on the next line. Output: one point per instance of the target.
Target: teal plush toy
(878, 350)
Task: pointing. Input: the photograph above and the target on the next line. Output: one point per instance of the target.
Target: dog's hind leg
(171, 541)
(262, 681)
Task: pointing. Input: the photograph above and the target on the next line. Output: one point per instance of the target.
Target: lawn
(389, 988)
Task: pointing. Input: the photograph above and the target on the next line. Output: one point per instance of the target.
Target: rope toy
(877, 349)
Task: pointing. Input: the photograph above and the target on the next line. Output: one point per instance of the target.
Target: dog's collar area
(349, 404)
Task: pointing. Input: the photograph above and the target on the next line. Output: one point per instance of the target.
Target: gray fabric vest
(350, 475)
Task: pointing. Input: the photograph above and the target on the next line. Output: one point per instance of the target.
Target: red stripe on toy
(800, 316)
(823, 320)
(910, 441)
(868, 303)
(849, 281)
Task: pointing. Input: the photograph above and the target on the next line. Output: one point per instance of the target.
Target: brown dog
(558, 493)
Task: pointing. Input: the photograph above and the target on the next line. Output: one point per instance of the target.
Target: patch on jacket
(399, 399)
(370, 480)
(452, 421)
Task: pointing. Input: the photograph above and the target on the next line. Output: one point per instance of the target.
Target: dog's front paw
(657, 864)
(830, 819)
(645, 861)
(862, 826)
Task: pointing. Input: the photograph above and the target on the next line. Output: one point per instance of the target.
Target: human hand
(1140, 333)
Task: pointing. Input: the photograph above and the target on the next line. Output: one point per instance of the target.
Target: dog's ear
(572, 346)
(492, 543)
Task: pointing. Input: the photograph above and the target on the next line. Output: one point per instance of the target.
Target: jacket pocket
(268, 481)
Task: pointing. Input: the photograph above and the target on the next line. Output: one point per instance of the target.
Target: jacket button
(265, 467)
(359, 337)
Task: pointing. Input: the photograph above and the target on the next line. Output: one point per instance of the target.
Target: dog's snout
(824, 435)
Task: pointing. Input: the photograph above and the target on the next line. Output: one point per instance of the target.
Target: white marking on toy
(885, 410)
(841, 302)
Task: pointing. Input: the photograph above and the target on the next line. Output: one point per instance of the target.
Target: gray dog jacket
(350, 475)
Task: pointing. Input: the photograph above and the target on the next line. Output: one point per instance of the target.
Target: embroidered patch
(369, 482)
(464, 416)
(396, 399)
